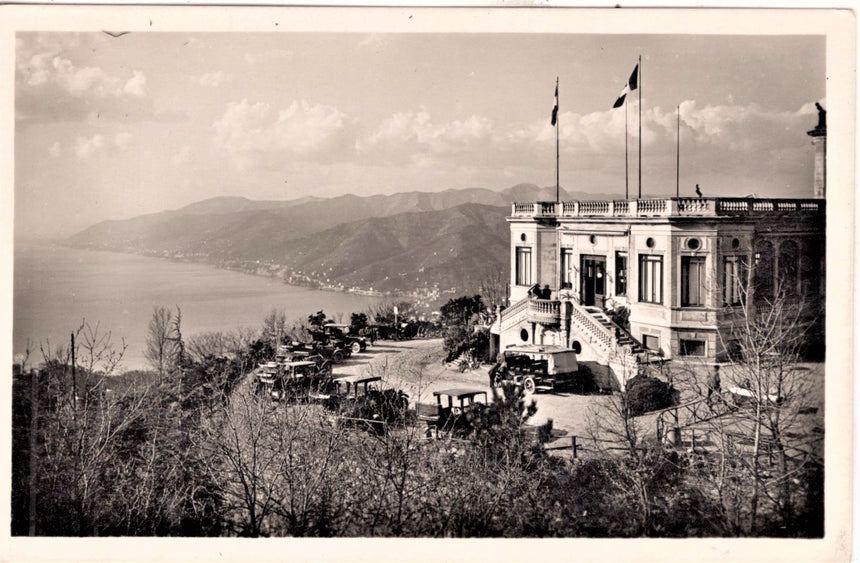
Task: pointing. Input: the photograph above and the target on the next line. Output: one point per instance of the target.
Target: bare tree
(160, 347)
(81, 426)
(493, 287)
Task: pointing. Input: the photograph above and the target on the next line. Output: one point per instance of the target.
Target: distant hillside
(380, 241)
(456, 247)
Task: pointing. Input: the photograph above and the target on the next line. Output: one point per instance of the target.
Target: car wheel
(529, 384)
(337, 357)
(356, 347)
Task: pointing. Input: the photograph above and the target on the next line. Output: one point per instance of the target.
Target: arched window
(788, 267)
(763, 274)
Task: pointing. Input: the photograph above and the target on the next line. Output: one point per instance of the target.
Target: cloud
(55, 149)
(51, 85)
(122, 140)
(87, 146)
(268, 56)
(258, 132)
(135, 85)
(212, 78)
(45, 69)
(414, 136)
(754, 145)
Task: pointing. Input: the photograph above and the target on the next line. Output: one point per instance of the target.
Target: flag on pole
(554, 119)
(631, 85)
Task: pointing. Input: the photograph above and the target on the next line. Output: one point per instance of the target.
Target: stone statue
(822, 117)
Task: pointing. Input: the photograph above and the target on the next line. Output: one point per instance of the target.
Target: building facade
(622, 281)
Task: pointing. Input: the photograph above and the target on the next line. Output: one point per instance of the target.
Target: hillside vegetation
(402, 243)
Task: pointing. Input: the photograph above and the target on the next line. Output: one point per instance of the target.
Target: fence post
(573, 445)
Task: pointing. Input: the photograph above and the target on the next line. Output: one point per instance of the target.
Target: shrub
(646, 394)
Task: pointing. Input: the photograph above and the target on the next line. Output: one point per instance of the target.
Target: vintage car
(331, 350)
(360, 399)
(538, 367)
(341, 332)
(290, 380)
(454, 410)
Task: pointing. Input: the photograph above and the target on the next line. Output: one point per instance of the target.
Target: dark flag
(631, 85)
(554, 119)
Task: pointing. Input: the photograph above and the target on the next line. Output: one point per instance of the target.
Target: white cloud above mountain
(257, 133)
(212, 79)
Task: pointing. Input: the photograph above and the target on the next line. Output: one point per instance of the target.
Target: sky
(113, 127)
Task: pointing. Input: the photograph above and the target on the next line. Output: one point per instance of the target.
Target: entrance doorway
(593, 280)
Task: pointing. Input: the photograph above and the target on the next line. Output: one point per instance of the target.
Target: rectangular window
(566, 268)
(524, 265)
(692, 347)
(650, 278)
(620, 273)
(734, 276)
(692, 281)
(651, 342)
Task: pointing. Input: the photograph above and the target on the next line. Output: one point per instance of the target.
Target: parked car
(539, 367)
(455, 409)
(342, 332)
(291, 380)
(358, 399)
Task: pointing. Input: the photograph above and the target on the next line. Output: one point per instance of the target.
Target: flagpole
(626, 172)
(678, 157)
(557, 127)
(640, 126)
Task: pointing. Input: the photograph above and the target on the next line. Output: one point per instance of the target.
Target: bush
(646, 394)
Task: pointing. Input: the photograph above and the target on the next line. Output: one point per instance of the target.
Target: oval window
(592, 239)
(524, 335)
(649, 242)
(736, 243)
(694, 244)
(523, 237)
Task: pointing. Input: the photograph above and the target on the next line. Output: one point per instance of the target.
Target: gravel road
(416, 367)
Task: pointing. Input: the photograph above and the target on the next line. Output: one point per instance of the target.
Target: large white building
(681, 268)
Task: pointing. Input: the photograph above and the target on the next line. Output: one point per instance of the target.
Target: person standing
(713, 382)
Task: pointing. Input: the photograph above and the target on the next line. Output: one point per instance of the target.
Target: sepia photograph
(356, 273)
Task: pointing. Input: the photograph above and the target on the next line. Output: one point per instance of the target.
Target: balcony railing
(544, 311)
(667, 207)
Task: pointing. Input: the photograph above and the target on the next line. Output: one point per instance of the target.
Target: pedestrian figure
(713, 383)
(498, 372)
(546, 293)
(534, 291)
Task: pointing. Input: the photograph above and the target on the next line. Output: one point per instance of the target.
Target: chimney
(819, 141)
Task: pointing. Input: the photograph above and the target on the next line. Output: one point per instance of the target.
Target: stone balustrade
(667, 207)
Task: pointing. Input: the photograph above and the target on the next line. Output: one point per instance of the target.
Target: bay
(56, 287)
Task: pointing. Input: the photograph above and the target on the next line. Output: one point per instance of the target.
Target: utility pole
(640, 126)
(678, 157)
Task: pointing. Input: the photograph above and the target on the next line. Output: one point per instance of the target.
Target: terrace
(668, 207)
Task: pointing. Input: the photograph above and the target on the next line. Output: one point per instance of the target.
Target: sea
(56, 288)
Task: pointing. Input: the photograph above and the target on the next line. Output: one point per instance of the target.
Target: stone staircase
(621, 336)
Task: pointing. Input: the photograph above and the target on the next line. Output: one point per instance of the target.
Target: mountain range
(395, 243)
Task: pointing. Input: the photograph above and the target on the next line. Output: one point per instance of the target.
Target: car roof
(359, 378)
(460, 392)
(538, 349)
(300, 363)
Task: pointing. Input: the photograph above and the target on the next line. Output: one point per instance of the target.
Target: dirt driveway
(416, 367)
